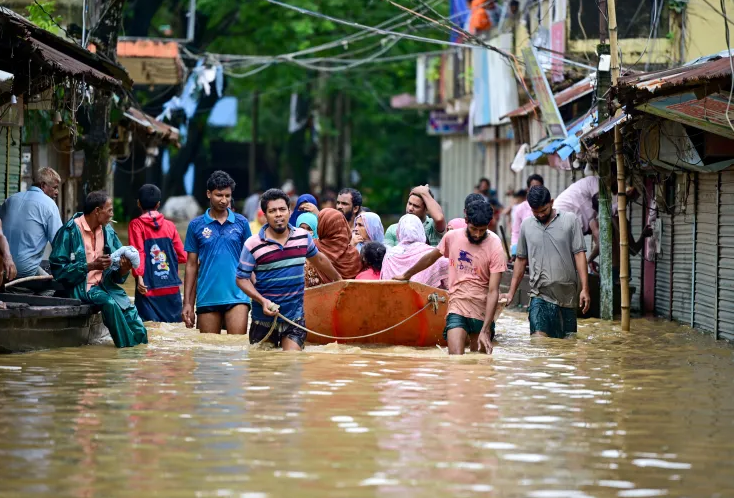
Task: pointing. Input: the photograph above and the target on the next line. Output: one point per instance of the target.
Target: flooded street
(605, 415)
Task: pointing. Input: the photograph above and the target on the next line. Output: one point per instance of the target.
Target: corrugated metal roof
(606, 126)
(57, 55)
(154, 127)
(716, 67)
(570, 94)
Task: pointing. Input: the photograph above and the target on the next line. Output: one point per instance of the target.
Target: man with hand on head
(422, 204)
(554, 242)
(276, 256)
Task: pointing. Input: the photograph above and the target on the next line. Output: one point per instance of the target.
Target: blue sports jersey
(219, 247)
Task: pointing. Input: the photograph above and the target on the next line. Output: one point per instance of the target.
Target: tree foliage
(390, 149)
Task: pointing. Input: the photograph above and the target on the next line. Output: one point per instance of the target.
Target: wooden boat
(32, 322)
(353, 308)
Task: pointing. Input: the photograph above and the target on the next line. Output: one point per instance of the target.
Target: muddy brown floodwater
(649, 413)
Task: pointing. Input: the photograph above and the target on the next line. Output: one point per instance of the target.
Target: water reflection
(604, 415)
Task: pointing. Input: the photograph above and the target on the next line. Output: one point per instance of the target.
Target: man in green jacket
(80, 261)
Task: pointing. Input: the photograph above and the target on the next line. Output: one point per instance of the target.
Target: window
(633, 17)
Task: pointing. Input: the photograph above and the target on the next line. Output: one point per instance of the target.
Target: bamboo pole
(624, 265)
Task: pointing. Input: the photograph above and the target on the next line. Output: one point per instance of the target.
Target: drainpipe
(716, 275)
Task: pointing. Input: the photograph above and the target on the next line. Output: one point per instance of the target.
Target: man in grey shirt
(30, 220)
(552, 243)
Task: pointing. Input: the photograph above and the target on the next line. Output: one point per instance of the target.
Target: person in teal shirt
(80, 261)
(422, 204)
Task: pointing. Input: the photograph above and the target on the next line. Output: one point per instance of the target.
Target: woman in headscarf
(456, 224)
(412, 247)
(334, 242)
(307, 199)
(309, 222)
(367, 228)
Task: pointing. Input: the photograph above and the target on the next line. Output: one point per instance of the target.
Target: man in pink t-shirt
(523, 211)
(476, 264)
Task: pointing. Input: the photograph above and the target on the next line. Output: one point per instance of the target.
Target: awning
(34, 54)
(152, 126)
(563, 148)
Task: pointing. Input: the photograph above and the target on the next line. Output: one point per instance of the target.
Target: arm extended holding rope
(427, 260)
(269, 308)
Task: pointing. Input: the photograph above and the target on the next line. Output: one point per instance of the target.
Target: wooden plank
(39, 300)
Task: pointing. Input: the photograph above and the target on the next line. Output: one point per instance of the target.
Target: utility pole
(606, 294)
(251, 177)
(621, 185)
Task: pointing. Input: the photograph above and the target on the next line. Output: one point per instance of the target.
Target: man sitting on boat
(7, 267)
(80, 261)
(276, 256)
(31, 220)
(422, 204)
(476, 264)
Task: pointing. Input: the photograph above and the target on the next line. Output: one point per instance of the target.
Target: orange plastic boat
(353, 308)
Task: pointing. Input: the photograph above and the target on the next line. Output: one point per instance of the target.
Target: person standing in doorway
(214, 241)
(553, 242)
(157, 284)
(476, 264)
(349, 202)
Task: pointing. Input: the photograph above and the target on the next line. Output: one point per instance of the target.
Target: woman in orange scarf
(334, 242)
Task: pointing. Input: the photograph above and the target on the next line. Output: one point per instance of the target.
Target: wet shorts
(283, 330)
(472, 326)
(552, 319)
(218, 308)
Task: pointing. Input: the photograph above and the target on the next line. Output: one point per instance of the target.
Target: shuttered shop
(683, 239)
(10, 168)
(663, 267)
(704, 310)
(725, 287)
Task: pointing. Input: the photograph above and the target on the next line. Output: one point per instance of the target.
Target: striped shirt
(278, 270)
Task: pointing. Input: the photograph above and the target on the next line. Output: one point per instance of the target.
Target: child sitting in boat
(372, 255)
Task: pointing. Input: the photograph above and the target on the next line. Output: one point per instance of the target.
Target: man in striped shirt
(276, 256)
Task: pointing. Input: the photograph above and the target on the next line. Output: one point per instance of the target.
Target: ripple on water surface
(604, 414)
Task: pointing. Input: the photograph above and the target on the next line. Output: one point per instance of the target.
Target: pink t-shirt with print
(469, 268)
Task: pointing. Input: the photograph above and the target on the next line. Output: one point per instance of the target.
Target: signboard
(552, 120)
(440, 123)
(558, 45)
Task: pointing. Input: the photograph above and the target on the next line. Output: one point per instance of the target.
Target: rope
(433, 300)
(28, 279)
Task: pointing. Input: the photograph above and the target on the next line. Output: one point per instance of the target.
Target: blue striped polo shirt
(278, 270)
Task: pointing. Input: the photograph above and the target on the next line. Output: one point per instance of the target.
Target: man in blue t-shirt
(214, 241)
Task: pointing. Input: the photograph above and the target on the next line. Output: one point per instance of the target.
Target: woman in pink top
(373, 253)
(411, 247)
